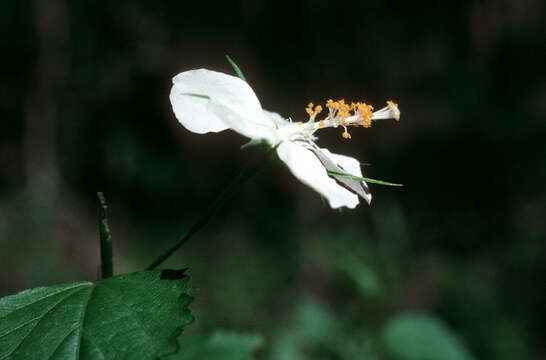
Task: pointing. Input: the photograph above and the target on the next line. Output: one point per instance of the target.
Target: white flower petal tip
(208, 101)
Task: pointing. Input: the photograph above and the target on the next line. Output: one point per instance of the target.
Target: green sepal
(373, 181)
(236, 68)
(197, 95)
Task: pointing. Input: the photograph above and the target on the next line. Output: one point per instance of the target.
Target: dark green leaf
(236, 68)
(422, 337)
(135, 316)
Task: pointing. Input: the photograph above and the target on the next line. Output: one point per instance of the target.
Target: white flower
(208, 101)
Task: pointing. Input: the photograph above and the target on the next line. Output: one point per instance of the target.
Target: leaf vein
(45, 297)
(90, 338)
(20, 326)
(60, 343)
(82, 320)
(40, 318)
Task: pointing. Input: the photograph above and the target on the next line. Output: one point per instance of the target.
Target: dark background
(84, 99)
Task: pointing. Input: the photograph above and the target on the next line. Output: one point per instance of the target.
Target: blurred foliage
(317, 333)
(417, 336)
(84, 97)
(221, 345)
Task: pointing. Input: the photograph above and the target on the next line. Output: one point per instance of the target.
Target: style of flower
(209, 101)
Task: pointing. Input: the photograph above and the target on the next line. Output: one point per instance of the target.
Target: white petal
(231, 105)
(350, 165)
(192, 111)
(309, 170)
(277, 119)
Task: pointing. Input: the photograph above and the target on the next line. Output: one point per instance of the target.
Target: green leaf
(221, 345)
(134, 316)
(415, 336)
(197, 95)
(334, 174)
(236, 68)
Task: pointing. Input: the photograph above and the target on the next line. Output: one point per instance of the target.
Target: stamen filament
(339, 114)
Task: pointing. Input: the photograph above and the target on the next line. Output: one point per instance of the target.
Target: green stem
(107, 265)
(249, 170)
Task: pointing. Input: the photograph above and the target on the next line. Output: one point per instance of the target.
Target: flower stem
(107, 265)
(248, 171)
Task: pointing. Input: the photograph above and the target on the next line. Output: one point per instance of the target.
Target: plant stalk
(248, 171)
(107, 265)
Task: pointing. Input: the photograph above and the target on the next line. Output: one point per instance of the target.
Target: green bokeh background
(84, 99)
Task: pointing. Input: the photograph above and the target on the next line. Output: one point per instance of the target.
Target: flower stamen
(340, 114)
